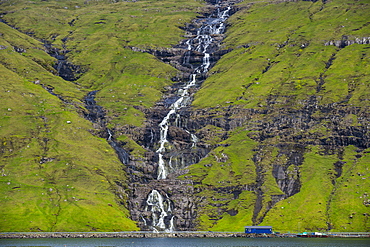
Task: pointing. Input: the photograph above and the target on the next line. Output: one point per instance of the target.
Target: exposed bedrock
(346, 41)
(182, 204)
(292, 126)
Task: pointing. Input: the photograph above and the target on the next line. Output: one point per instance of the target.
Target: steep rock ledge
(290, 132)
(181, 194)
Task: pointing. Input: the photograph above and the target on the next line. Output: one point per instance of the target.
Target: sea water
(189, 242)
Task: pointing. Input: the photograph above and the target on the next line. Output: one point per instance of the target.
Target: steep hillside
(54, 174)
(295, 90)
(58, 173)
(277, 133)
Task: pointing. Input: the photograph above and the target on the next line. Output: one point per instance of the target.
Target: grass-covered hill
(295, 89)
(285, 113)
(56, 173)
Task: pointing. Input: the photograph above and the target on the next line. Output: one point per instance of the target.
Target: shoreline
(141, 234)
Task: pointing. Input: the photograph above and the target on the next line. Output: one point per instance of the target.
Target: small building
(258, 229)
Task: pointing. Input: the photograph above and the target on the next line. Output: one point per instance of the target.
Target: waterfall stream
(161, 208)
(203, 42)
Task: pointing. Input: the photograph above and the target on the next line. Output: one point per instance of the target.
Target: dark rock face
(346, 41)
(180, 193)
(291, 126)
(287, 175)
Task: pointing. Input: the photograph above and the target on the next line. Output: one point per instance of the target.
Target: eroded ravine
(202, 43)
(96, 115)
(165, 203)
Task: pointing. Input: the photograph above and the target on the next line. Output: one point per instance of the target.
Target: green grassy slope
(303, 92)
(45, 184)
(56, 175)
(289, 39)
(341, 202)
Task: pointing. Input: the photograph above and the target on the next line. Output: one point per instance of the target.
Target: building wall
(257, 230)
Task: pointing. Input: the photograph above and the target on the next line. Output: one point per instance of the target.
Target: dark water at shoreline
(188, 242)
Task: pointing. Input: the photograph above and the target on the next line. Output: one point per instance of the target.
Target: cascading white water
(201, 43)
(109, 135)
(162, 218)
(172, 225)
(161, 208)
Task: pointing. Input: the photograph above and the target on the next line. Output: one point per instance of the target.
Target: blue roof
(259, 227)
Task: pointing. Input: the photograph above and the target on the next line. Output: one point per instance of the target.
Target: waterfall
(162, 173)
(202, 43)
(194, 139)
(161, 217)
(109, 135)
(172, 225)
(161, 208)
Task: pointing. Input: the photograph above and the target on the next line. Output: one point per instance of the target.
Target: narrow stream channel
(96, 115)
